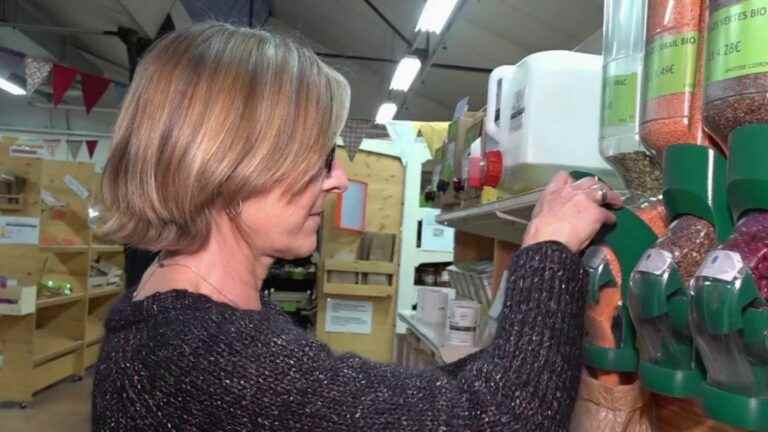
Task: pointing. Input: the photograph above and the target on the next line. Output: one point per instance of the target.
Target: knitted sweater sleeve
(526, 380)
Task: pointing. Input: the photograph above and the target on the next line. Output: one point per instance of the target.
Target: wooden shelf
(48, 346)
(107, 248)
(358, 290)
(94, 331)
(102, 292)
(60, 300)
(65, 249)
(493, 219)
(376, 267)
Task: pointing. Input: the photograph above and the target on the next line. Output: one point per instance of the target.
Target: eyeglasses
(329, 160)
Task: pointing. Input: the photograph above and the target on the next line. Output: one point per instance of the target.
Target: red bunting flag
(94, 88)
(91, 146)
(63, 78)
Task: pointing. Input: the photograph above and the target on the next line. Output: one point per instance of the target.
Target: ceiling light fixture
(11, 87)
(435, 14)
(405, 73)
(386, 112)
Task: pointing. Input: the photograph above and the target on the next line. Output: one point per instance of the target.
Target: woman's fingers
(559, 181)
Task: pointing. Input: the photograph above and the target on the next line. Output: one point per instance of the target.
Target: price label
(738, 36)
(670, 65)
(723, 265)
(619, 99)
(655, 261)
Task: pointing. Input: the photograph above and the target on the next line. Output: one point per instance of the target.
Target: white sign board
(348, 316)
(19, 230)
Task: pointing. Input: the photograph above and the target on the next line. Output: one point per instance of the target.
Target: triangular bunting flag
(37, 71)
(94, 87)
(120, 90)
(51, 144)
(74, 148)
(353, 134)
(63, 78)
(91, 145)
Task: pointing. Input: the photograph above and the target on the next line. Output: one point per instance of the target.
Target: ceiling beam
(459, 68)
(390, 24)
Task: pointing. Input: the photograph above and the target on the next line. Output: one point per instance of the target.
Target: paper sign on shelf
(35, 152)
(19, 230)
(76, 187)
(50, 200)
(348, 316)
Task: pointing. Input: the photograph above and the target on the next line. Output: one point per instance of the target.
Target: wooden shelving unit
(62, 337)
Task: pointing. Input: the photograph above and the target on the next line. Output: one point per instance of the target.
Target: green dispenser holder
(628, 238)
(694, 184)
(729, 317)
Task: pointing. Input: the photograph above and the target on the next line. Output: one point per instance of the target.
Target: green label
(619, 99)
(670, 65)
(738, 41)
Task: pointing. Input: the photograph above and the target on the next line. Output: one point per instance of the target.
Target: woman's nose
(337, 180)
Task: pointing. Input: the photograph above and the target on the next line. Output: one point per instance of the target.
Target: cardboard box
(23, 298)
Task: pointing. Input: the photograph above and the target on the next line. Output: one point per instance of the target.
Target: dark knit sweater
(179, 361)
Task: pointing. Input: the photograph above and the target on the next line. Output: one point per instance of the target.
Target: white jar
(463, 318)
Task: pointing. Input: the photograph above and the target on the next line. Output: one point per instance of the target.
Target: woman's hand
(571, 212)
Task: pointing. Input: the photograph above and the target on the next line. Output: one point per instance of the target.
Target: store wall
(17, 112)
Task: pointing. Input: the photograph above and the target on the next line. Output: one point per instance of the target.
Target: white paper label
(19, 230)
(76, 187)
(348, 316)
(723, 265)
(33, 152)
(655, 261)
(51, 200)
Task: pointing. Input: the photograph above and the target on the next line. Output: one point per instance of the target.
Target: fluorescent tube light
(386, 112)
(435, 14)
(11, 87)
(405, 73)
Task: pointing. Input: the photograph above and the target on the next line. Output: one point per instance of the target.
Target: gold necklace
(163, 264)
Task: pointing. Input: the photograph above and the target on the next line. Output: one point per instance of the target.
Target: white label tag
(723, 265)
(76, 187)
(348, 316)
(655, 261)
(51, 200)
(19, 230)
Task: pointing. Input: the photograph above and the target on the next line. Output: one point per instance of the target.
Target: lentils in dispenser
(673, 74)
(620, 146)
(610, 352)
(737, 66)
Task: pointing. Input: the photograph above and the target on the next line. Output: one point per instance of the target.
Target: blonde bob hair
(215, 115)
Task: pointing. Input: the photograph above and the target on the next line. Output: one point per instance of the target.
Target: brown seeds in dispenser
(689, 240)
(640, 172)
(724, 115)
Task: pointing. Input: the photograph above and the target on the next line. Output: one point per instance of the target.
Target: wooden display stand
(384, 176)
(62, 336)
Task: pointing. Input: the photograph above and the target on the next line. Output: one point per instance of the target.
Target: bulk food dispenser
(659, 299)
(730, 313)
(610, 337)
(694, 195)
(540, 120)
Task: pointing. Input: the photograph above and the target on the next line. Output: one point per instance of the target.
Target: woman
(223, 155)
